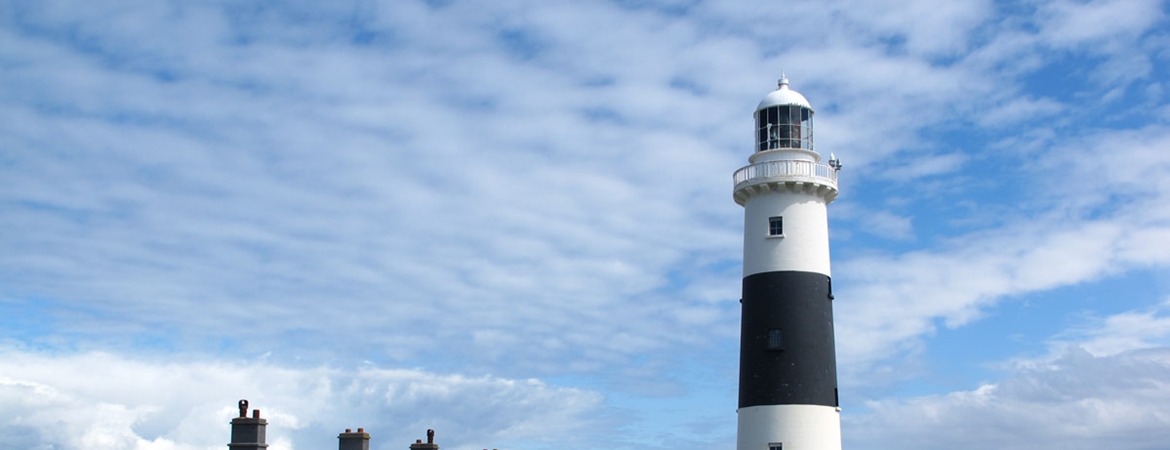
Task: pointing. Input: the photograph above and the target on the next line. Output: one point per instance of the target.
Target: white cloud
(1103, 384)
(1119, 333)
(913, 169)
(1079, 402)
(1020, 110)
(1070, 23)
(927, 28)
(886, 301)
(101, 400)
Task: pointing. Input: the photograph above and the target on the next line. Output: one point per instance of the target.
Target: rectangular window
(775, 226)
(775, 339)
(775, 446)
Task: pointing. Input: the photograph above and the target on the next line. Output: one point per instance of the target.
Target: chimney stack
(350, 440)
(248, 433)
(430, 445)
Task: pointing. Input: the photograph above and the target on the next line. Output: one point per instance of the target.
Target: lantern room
(784, 120)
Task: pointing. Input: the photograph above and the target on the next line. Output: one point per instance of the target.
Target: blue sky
(512, 222)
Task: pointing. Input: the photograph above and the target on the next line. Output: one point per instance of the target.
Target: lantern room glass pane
(784, 126)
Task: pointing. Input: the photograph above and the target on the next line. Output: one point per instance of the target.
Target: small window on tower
(776, 226)
(775, 340)
(775, 446)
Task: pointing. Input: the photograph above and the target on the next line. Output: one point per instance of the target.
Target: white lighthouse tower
(787, 361)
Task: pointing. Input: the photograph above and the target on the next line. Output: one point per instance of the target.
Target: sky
(512, 221)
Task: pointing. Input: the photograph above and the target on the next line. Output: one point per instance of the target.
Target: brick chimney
(248, 433)
(353, 441)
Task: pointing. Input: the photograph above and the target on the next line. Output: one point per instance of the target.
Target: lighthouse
(787, 361)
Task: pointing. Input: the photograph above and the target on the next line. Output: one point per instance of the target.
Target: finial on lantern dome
(783, 95)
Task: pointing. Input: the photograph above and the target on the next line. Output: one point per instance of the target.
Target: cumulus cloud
(103, 400)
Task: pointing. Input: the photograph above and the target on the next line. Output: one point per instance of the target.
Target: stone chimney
(353, 441)
(248, 433)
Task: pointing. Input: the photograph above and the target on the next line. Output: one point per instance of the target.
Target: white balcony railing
(797, 170)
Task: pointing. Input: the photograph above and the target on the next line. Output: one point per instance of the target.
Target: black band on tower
(786, 354)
